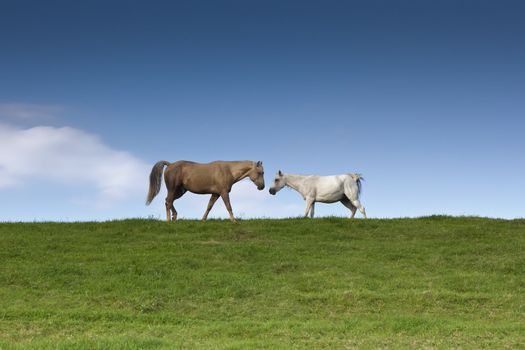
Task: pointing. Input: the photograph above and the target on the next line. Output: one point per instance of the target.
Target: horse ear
(280, 173)
(259, 163)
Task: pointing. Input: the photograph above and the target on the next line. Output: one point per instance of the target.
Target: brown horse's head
(256, 174)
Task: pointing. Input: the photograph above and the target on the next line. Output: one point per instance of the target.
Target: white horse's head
(278, 183)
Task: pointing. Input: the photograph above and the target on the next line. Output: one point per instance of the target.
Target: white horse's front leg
(312, 210)
(309, 203)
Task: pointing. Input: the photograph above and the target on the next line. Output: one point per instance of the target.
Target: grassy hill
(294, 283)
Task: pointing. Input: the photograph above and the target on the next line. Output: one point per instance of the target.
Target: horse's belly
(202, 190)
(330, 196)
(329, 200)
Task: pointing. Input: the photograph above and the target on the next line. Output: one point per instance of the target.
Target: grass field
(434, 282)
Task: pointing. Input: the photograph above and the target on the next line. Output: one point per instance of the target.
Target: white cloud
(69, 156)
(27, 111)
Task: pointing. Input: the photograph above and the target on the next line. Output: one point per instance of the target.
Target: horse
(325, 189)
(215, 178)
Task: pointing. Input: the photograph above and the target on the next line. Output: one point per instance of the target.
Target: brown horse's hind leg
(169, 206)
(171, 213)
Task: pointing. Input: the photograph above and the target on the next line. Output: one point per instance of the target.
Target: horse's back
(329, 180)
(187, 165)
(189, 168)
(181, 163)
(191, 164)
(176, 170)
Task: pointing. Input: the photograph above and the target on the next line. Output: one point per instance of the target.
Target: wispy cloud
(71, 157)
(26, 111)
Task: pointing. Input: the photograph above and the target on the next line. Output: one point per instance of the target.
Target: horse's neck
(240, 169)
(295, 181)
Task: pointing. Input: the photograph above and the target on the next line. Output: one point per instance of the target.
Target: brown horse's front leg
(212, 201)
(226, 198)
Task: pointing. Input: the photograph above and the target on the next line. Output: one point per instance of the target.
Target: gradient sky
(425, 98)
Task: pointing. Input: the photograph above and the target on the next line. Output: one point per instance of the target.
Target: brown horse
(215, 178)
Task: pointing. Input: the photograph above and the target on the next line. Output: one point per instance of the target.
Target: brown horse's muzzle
(260, 187)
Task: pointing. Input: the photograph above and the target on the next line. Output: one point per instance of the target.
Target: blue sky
(425, 98)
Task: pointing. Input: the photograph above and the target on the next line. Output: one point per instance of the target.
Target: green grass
(435, 282)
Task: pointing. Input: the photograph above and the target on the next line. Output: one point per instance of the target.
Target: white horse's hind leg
(312, 210)
(351, 192)
(346, 202)
(358, 205)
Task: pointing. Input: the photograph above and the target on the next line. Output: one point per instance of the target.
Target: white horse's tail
(357, 178)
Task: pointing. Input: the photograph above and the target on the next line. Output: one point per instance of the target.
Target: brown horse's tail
(155, 178)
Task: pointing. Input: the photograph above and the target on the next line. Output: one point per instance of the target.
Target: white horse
(325, 189)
